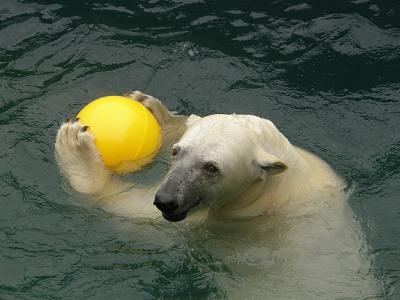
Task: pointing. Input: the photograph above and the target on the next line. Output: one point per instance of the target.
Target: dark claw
(142, 98)
(84, 128)
(67, 120)
(76, 119)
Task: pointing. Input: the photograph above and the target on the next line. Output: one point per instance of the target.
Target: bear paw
(78, 158)
(152, 104)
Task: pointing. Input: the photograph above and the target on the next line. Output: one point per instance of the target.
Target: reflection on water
(325, 72)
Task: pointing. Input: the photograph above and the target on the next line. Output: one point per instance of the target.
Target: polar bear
(286, 207)
(231, 166)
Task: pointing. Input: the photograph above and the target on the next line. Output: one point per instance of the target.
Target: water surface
(326, 73)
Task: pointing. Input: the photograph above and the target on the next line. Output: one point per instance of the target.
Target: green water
(327, 73)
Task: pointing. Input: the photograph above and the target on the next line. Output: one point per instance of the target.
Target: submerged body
(246, 180)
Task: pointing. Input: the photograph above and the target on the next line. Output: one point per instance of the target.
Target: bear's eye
(174, 151)
(211, 167)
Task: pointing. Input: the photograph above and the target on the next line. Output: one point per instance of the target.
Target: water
(327, 73)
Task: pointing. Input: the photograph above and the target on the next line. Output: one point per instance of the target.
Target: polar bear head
(217, 160)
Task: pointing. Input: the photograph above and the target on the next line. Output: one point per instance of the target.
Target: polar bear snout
(179, 192)
(172, 209)
(167, 206)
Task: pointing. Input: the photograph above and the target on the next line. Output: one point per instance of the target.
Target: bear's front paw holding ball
(154, 105)
(78, 158)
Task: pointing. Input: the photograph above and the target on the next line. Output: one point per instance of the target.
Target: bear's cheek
(219, 192)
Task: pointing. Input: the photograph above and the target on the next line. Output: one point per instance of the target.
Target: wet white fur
(308, 226)
(247, 141)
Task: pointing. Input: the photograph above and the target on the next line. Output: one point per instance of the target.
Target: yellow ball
(125, 132)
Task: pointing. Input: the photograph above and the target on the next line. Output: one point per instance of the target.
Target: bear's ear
(270, 163)
(191, 120)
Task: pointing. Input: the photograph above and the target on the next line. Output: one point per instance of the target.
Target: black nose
(166, 206)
